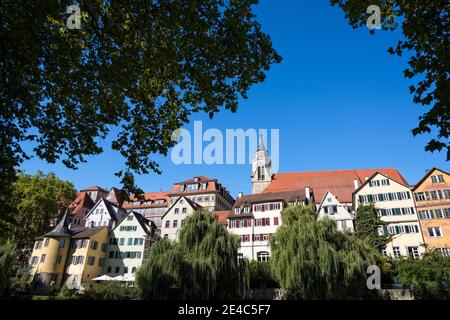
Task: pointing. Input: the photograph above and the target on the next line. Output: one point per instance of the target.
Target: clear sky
(338, 98)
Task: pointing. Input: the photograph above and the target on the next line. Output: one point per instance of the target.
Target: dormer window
(182, 188)
(192, 187)
(196, 179)
(204, 185)
(246, 209)
(237, 210)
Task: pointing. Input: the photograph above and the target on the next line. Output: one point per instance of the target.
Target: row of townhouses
(103, 237)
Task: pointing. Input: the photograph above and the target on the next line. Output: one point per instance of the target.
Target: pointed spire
(62, 229)
(261, 146)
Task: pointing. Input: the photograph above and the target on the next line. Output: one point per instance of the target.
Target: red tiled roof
(222, 216)
(212, 186)
(82, 201)
(149, 196)
(338, 182)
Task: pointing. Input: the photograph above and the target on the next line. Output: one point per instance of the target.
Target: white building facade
(396, 207)
(175, 217)
(128, 242)
(255, 218)
(104, 214)
(339, 213)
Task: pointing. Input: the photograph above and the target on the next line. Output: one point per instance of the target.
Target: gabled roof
(147, 225)
(193, 205)
(373, 176)
(115, 196)
(81, 201)
(427, 175)
(338, 182)
(109, 207)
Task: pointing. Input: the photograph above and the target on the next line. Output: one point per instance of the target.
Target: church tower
(261, 168)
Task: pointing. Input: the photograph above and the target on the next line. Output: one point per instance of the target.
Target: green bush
(100, 291)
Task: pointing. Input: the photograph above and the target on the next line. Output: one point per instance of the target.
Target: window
(111, 254)
(184, 210)
(94, 245)
(177, 210)
(34, 260)
(117, 269)
(246, 209)
(59, 259)
(384, 252)
(101, 262)
(175, 224)
(133, 270)
(125, 270)
(275, 221)
(43, 258)
(104, 247)
(438, 179)
(91, 261)
(435, 232)
(444, 251)
(182, 188)
(261, 175)
(182, 222)
(109, 269)
(425, 214)
(168, 224)
(130, 217)
(130, 241)
(263, 256)
(46, 242)
(204, 185)
(237, 210)
(396, 252)
(240, 258)
(166, 236)
(414, 252)
(62, 243)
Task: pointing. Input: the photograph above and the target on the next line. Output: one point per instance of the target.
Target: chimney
(308, 192)
(240, 195)
(355, 184)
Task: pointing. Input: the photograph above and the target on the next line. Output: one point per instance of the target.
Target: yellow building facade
(432, 198)
(63, 255)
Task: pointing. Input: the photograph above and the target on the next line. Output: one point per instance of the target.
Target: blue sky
(338, 98)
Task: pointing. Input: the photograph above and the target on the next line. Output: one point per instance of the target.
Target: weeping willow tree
(201, 265)
(313, 260)
(8, 255)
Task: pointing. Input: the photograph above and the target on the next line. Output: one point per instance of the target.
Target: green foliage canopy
(37, 200)
(313, 260)
(428, 277)
(135, 71)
